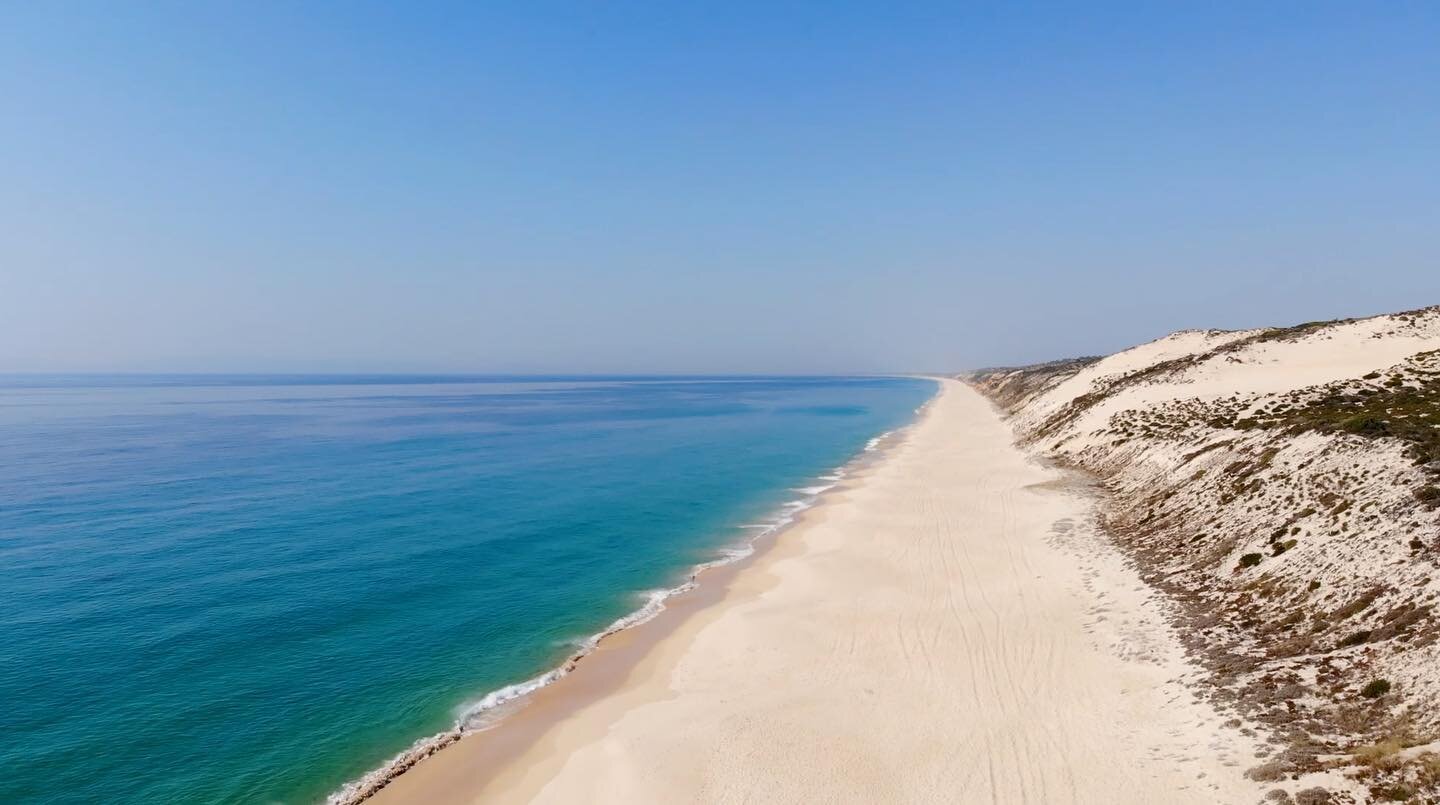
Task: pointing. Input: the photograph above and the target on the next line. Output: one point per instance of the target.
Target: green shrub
(1376, 689)
(1366, 425)
(1250, 560)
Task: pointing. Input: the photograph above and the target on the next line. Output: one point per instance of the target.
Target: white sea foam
(490, 709)
(874, 444)
(812, 490)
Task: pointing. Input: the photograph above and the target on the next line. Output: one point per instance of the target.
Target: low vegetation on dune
(1296, 525)
(1012, 386)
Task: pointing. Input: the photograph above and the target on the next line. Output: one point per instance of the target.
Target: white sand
(946, 630)
(1341, 351)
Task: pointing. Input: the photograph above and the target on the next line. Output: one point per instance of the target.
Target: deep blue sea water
(253, 589)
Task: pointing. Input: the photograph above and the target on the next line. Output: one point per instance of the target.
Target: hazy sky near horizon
(701, 187)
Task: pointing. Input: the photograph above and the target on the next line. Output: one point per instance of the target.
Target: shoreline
(662, 611)
(946, 624)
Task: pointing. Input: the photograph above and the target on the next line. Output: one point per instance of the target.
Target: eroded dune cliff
(1282, 486)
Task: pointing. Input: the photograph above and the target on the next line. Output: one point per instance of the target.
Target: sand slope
(1282, 485)
(948, 629)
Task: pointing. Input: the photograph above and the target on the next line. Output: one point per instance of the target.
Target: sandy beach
(945, 627)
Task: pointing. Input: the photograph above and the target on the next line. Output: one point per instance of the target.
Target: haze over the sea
(752, 187)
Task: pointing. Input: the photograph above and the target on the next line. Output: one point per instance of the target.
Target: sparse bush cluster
(1404, 406)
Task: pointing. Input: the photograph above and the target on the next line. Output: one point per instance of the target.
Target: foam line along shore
(490, 710)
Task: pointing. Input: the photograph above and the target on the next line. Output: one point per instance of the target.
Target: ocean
(258, 588)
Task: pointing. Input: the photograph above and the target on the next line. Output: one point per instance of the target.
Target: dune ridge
(1280, 486)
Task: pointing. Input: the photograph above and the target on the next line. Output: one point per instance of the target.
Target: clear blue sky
(731, 186)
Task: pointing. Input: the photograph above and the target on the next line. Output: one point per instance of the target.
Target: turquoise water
(254, 589)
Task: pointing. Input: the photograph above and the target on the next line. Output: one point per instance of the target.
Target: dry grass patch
(1382, 755)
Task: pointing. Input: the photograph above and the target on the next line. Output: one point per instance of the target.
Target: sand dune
(1280, 485)
(946, 629)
